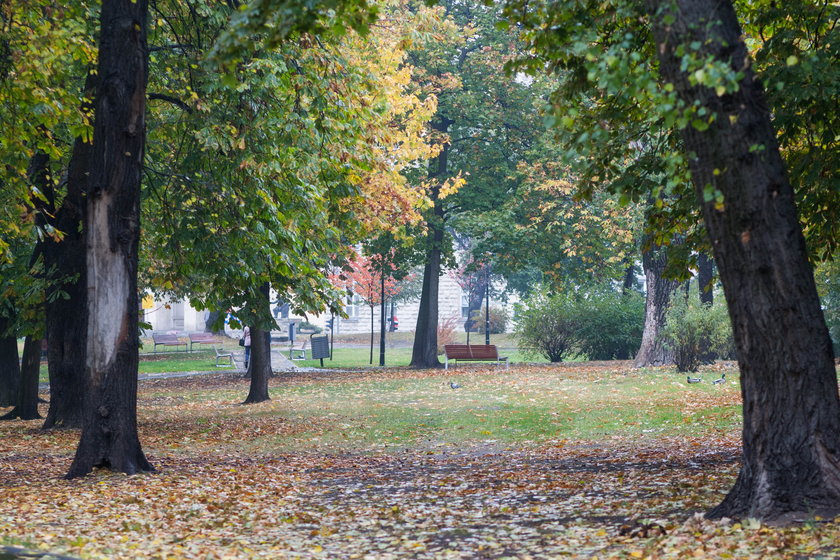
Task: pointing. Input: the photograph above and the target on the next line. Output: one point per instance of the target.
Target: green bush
(548, 325)
(498, 320)
(611, 325)
(695, 331)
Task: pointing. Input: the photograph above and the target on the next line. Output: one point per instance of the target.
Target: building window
(465, 306)
(352, 303)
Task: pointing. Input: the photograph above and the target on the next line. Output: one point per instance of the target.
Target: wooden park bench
(167, 340)
(201, 338)
(473, 353)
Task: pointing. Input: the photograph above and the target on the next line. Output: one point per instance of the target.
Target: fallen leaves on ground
(619, 496)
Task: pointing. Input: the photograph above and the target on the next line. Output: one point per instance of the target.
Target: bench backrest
(201, 337)
(471, 351)
(165, 338)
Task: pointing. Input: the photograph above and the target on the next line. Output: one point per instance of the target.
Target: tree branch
(171, 99)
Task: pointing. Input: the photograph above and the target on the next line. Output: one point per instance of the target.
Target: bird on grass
(721, 380)
(693, 379)
(454, 385)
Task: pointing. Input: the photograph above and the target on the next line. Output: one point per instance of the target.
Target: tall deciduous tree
(30, 295)
(788, 380)
(313, 134)
(485, 119)
(49, 67)
(371, 278)
(109, 431)
(709, 95)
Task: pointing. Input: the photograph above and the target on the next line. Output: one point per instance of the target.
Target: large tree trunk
(791, 434)
(109, 432)
(259, 366)
(26, 401)
(424, 353)
(652, 351)
(66, 317)
(9, 364)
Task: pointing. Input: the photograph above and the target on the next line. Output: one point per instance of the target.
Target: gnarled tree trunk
(66, 318)
(652, 351)
(109, 432)
(791, 433)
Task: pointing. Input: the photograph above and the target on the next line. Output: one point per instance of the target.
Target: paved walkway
(279, 363)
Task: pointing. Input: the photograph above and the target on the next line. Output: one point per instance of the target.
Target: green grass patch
(523, 405)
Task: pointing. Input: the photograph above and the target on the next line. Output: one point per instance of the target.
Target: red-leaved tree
(372, 279)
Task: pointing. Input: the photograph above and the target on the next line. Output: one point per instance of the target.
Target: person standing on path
(247, 335)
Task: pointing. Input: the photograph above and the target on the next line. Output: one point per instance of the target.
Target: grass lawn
(343, 358)
(541, 461)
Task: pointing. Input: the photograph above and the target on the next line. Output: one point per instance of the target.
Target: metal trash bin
(320, 347)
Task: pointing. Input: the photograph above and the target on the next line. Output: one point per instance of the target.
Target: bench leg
(446, 362)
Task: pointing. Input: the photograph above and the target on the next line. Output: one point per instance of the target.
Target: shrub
(446, 332)
(498, 320)
(694, 330)
(611, 325)
(548, 326)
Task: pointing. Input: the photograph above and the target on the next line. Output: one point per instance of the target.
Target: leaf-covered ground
(540, 462)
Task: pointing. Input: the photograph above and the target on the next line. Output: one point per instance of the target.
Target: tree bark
(66, 317)
(424, 353)
(705, 278)
(260, 364)
(26, 402)
(109, 432)
(791, 407)
(9, 364)
(652, 351)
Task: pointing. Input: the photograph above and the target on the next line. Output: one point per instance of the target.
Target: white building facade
(180, 318)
